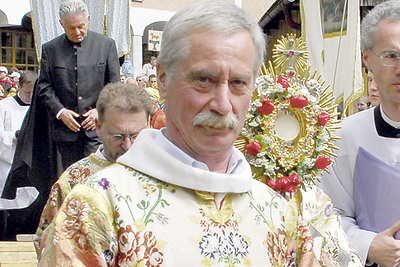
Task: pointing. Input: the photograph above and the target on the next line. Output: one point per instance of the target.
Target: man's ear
(365, 58)
(162, 81)
(99, 130)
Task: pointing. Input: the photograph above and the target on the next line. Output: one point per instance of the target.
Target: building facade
(147, 21)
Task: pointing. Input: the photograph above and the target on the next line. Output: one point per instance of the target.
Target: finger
(90, 125)
(90, 113)
(86, 123)
(71, 113)
(73, 122)
(72, 127)
(87, 113)
(76, 115)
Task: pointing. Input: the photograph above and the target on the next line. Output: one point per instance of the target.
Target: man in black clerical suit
(75, 66)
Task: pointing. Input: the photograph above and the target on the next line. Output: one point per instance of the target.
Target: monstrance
(288, 132)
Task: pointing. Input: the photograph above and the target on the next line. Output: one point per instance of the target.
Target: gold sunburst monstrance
(288, 133)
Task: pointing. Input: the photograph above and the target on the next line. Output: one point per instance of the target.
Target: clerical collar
(19, 100)
(384, 125)
(395, 124)
(233, 166)
(76, 45)
(100, 152)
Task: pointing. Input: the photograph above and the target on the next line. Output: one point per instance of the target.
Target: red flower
(295, 179)
(282, 183)
(253, 148)
(298, 101)
(322, 162)
(290, 189)
(323, 118)
(283, 81)
(272, 183)
(267, 106)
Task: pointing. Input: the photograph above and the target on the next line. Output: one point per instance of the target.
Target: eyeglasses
(119, 138)
(388, 58)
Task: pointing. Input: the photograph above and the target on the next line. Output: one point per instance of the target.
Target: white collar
(100, 152)
(395, 124)
(234, 161)
(150, 157)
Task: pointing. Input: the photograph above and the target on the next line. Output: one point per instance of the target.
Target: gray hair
(73, 7)
(389, 10)
(214, 15)
(28, 77)
(124, 97)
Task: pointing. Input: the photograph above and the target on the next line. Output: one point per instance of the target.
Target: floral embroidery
(208, 224)
(287, 251)
(104, 183)
(151, 187)
(277, 247)
(53, 197)
(74, 226)
(261, 217)
(162, 218)
(138, 247)
(79, 174)
(221, 243)
(231, 249)
(329, 210)
(336, 250)
(304, 238)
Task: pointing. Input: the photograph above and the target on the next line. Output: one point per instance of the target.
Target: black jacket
(72, 76)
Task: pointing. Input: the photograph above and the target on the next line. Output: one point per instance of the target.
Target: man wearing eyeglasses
(364, 181)
(123, 111)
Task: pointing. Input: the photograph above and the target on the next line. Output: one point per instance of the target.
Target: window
(18, 49)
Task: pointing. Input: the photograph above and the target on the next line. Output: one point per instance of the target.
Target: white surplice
(12, 115)
(357, 130)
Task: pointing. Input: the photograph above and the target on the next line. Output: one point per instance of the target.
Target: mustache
(215, 120)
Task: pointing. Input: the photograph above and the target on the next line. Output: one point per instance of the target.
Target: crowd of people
(143, 170)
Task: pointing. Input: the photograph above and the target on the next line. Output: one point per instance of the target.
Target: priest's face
(387, 78)
(118, 131)
(75, 26)
(207, 100)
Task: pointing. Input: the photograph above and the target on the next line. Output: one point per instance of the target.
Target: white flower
(321, 148)
(308, 163)
(253, 124)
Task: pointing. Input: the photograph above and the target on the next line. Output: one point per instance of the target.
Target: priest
(12, 114)
(364, 180)
(183, 195)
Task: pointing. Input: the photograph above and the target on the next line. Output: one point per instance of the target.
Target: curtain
(331, 29)
(110, 17)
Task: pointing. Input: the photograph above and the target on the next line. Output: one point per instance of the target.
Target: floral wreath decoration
(288, 131)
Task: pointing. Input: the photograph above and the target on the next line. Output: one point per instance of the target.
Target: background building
(276, 17)
(147, 19)
(16, 36)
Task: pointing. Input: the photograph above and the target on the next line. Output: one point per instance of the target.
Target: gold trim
(335, 34)
(207, 203)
